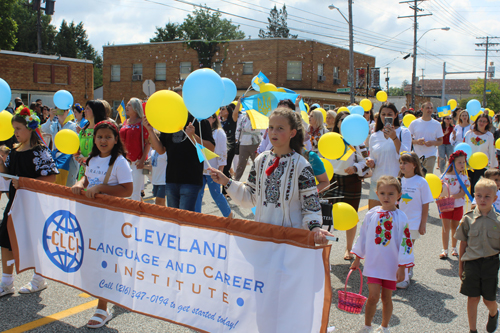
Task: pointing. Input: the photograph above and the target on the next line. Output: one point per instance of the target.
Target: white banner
(200, 271)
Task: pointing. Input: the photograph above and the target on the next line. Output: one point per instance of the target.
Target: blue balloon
(465, 148)
(229, 91)
(203, 93)
(316, 105)
(255, 86)
(63, 99)
(473, 107)
(350, 107)
(5, 94)
(358, 109)
(354, 129)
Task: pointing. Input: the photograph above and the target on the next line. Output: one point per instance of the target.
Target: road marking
(84, 295)
(56, 316)
(363, 208)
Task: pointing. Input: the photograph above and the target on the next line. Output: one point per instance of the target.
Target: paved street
(432, 303)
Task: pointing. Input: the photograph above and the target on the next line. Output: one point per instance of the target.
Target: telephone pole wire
(486, 45)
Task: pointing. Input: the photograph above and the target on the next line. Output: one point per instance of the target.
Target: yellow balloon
(478, 161)
(323, 112)
(366, 104)
(307, 107)
(491, 113)
(473, 118)
(328, 168)
(381, 96)
(435, 184)
(408, 119)
(281, 90)
(6, 129)
(344, 216)
(453, 104)
(165, 111)
(305, 116)
(268, 87)
(67, 141)
(497, 144)
(217, 112)
(331, 145)
(343, 109)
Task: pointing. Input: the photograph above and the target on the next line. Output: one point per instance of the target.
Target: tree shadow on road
(452, 271)
(427, 302)
(434, 221)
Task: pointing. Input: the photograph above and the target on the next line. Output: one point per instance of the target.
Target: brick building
(34, 76)
(316, 70)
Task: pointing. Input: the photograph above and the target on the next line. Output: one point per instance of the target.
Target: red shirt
(131, 138)
(446, 137)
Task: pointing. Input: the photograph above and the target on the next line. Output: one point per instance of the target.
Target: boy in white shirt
(427, 134)
(493, 174)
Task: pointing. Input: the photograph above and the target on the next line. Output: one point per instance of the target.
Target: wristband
(228, 184)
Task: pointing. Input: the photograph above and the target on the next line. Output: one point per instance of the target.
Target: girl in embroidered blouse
(480, 139)
(451, 220)
(384, 242)
(281, 182)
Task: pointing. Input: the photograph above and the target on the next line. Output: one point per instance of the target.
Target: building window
(161, 71)
(137, 72)
(328, 107)
(321, 73)
(294, 70)
(185, 70)
(115, 73)
(336, 73)
(248, 68)
(217, 67)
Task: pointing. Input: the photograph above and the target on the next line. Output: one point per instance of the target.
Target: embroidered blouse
(287, 197)
(484, 143)
(385, 244)
(315, 136)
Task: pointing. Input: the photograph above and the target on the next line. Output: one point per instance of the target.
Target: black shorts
(480, 278)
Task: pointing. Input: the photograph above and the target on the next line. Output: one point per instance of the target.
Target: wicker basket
(446, 204)
(351, 302)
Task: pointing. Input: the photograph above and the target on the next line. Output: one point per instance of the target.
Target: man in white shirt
(427, 134)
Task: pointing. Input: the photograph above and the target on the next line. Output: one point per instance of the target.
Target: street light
(351, 47)
(413, 77)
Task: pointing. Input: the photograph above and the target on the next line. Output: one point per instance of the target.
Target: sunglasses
(447, 118)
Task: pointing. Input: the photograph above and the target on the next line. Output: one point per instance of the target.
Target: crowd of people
(286, 181)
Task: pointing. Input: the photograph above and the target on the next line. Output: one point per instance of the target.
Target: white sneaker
(33, 286)
(366, 329)
(382, 329)
(6, 289)
(402, 285)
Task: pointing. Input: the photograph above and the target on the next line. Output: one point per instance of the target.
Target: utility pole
(387, 78)
(351, 55)
(414, 6)
(367, 79)
(486, 45)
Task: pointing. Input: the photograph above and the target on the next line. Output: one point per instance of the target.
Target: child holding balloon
(281, 182)
(107, 154)
(31, 159)
(456, 181)
(384, 242)
(414, 201)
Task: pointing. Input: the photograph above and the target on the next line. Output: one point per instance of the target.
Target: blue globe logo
(63, 241)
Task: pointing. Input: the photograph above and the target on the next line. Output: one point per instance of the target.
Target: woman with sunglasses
(446, 149)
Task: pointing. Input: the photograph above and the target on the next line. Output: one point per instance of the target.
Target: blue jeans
(218, 197)
(444, 152)
(182, 196)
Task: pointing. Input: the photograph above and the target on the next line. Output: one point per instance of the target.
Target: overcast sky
(377, 29)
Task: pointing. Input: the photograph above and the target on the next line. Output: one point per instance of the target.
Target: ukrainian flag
(261, 78)
(69, 117)
(121, 111)
(444, 111)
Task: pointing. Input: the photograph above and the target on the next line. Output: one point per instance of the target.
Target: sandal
(348, 255)
(6, 289)
(444, 255)
(33, 286)
(100, 321)
(454, 252)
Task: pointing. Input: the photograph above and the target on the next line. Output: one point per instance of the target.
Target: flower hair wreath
(32, 120)
(456, 154)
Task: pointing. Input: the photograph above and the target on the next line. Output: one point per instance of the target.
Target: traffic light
(49, 7)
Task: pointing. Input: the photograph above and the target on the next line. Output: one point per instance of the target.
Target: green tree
(395, 91)
(492, 99)
(26, 35)
(205, 30)
(8, 26)
(171, 32)
(278, 27)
